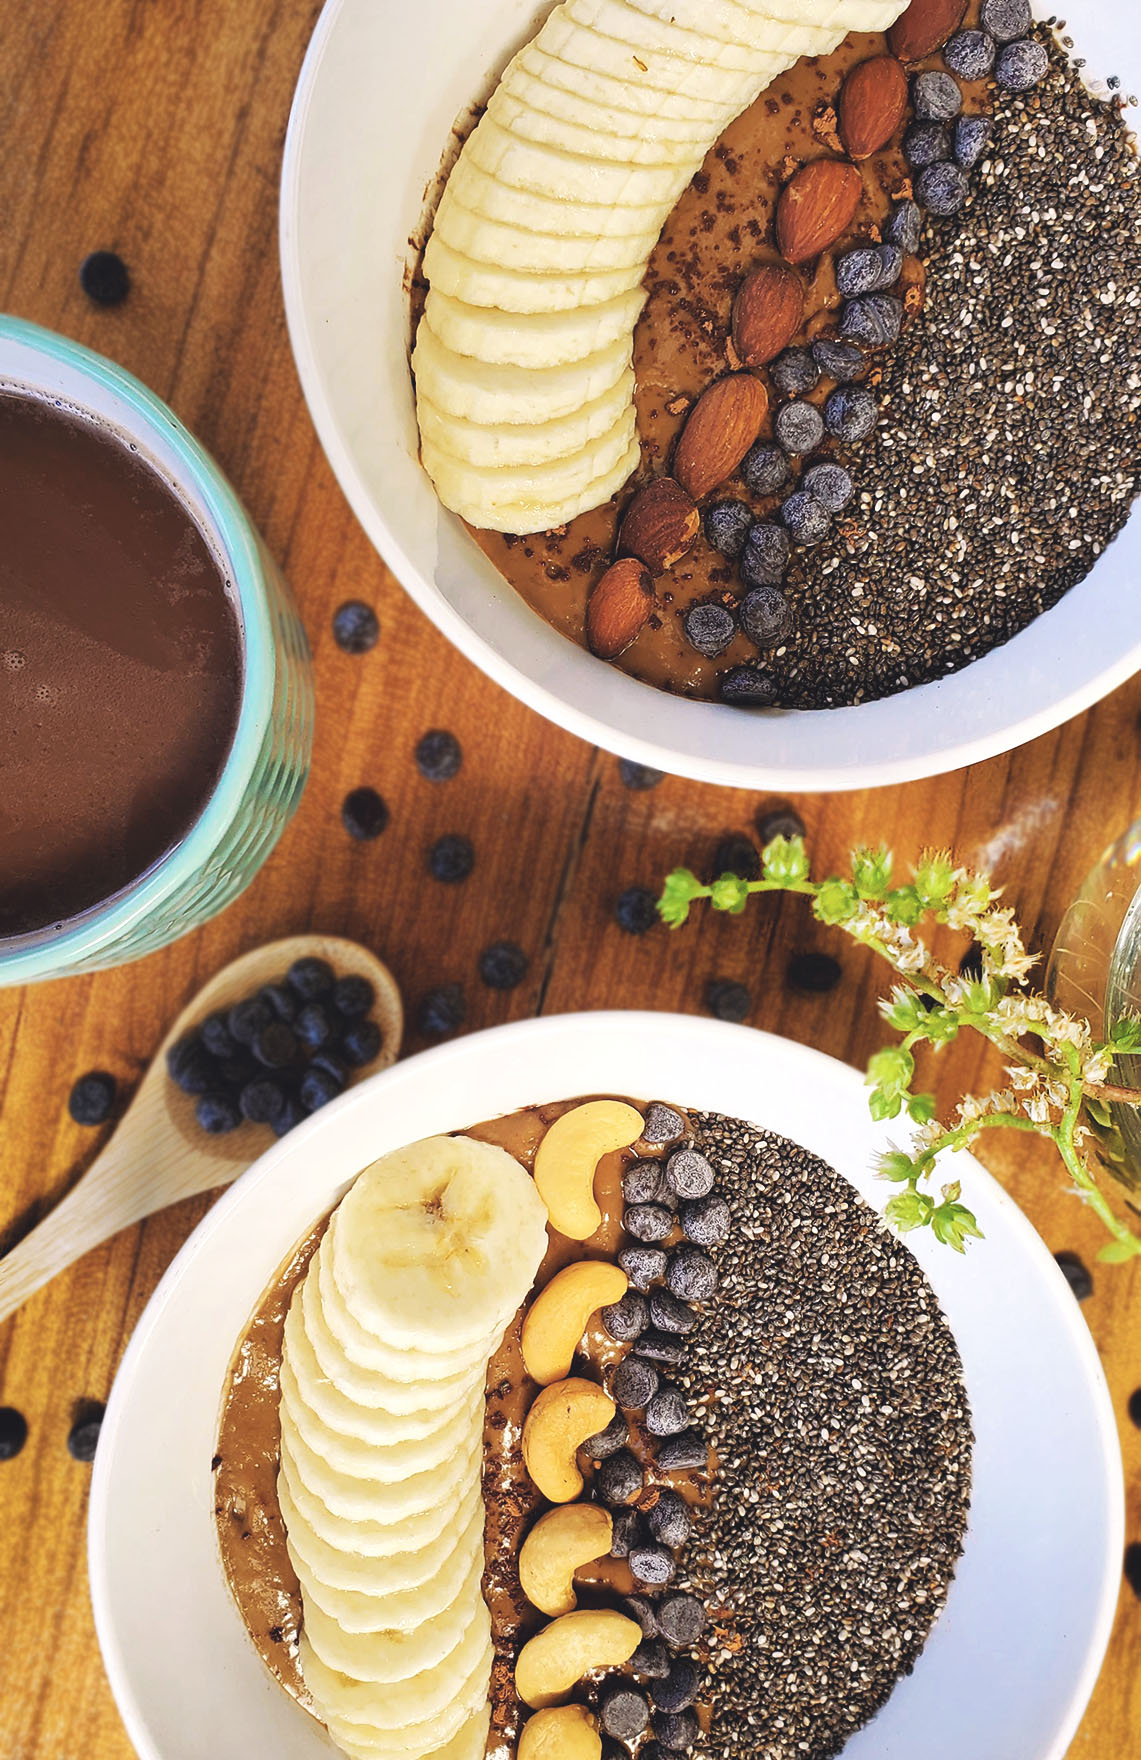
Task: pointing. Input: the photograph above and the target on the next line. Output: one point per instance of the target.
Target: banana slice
(612, 119)
(394, 1655)
(372, 1424)
(729, 90)
(361, 1610)
(524, 292)
(410, 1533)
(377, 1574)
(653, 31)
(468, 1743)
(476, 391)
(508, 443)
(528, 517)
(738, 21)
(588, 139)
(481, 496)
(377, 1503)
(481, 194)
(366, 1387)
(625, 92)
(463, 1674)
(424, 1735)
(552, 339)
(547, 171)
(362, 1459)
(526, 251)
(369, 1352)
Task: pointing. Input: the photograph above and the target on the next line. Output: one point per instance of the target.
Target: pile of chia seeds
(1006, 456)
(828, 1383)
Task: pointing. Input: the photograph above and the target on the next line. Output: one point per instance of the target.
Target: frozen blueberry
(104, 278)
(1021, 65)
(727, 1000)
(970, 54)
(850, 413)
(261, 1100)
(764, 468)
(926, 143)
(332, 1065)
(317, 1088)
(353, 996)
(736, 854)
(858, 271)
(815, 972)
(651, 1660)
(641, 1609)
(666, 1348)
(972, 137)
(13, 1432)
(624, 1712)
(766, 616)
(683, 1452)
(83, 1437)
(642, 1182)
(677, 1729)
(216, 1035)
(441, 1011)
(1075, 1273)
(936, 97)
(310, 977)
(189, 1067)
(669, 1519)
(942, 188)
(438, 755)
(765, 556)
(627, 1319)
(831, 485)
(691, 1274)
(363, 814)
(235, 1071)
(648, 1222)
(627, 1530)
(361, 1043)
(638, 776)
(668, 1314)
(689, 1173)
(290, 1115)
(355, 627)
(642, 1265)
(705, 1220)
(607, 1442)
(217, 1113)
(1134, 1407)
(636, 910)
(799, 427)
(451, 858)
(276, 1047)
(667, 1412)
(726, 526)
(661, 1123)
(778, 822)
(680, 1686)
(794, 372)
(807, 519)
(709, 628)
(840, 358)
(249, 1018)
(905, 226)
(681, 1620)
(92, 1099)
(503, 965)
(619, 1478)
(875, 319)
(1132, 1569)
(1005, 19)
(653, 1565)
(313, 1026)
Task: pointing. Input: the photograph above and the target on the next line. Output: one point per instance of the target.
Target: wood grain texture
(156, 130)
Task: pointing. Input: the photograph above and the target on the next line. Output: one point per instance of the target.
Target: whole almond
(872, 102)
(925, 26)
(618, 608)
(767, 313)
(815, 207)
(722, 426)
(659, 525)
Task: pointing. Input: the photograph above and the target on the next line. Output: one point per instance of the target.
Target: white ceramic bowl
(380, 91)
(1012, 1660)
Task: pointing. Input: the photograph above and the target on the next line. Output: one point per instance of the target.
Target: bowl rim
(905, 765)
(498, 1044)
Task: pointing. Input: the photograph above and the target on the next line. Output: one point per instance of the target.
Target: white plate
(380, 90)
(1009, 1666)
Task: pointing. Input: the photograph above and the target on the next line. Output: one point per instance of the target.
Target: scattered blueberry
(677, 1729)
(627, 1529)
(764, 469)
(661, 1123)
(619, 1478)
(353, 996)
(636, 910)
(926, 143)
(648, 1222)
(13, 1432)
(668, 1314)
(607, 1442)
(310, 977)
(936, 97)
(442, 1011)
(970, 54)
(972, 137)
(794, 372)
(1021, 65)
(874, 318)
(642, 1182)
(661, 1347)
(83, 1437)
(276, 1046)
(624, 1712)
(859, 271)
(1076, 1274)
(249, 1018)
(217, 1114)
(643, 1265)
(766, 616)
(840, 358)
(628, 1318)
(313, 1026)
(691, 1274)
(799, 427)
(216, 1035)
(669, 1519)
(503, 965)
(189, 1067)
(765, 556)
(727, 1000)
(727, 526)
(850, 413)
(361, 1043)
(942, 188)
(104, 278)
(680, 1454)
(451, 858)
(689, 1173)
(736, 854)
(235, 1071)
(1005, 19)
(635, 1384)
(709, 628)
(905, 226)
(356, 627)
(1132, 1567)
(438, 755)
(92, 1099)
(332, 1065)
(705, 1220)
(831, 485)
(681, 1620)
(289, 1117)
(653, 1565)
(667, 1412)
(642, 1610)
(778, 822)
(317, 1088)
(816, 972)
(680, 1687)
(261, 1100)
(363, 814)
(807, 519)
(1134, 1407)
(651, 1660)
(639, 776)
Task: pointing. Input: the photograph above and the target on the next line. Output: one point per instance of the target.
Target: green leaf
(892, 1068)
(837, 901)
(729, 893)
(934, 879)
(785, 860)
(871, 871)
(908, 1210)
(921, 1107)
(679, 891)
(940, 1025)
(1117, 1252)
(883, 1106)
(895, 1165)
(953, 1224)
(1126, 1035)
(1099, 1112)
(904, 905)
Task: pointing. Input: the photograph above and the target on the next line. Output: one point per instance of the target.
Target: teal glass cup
(263, 775)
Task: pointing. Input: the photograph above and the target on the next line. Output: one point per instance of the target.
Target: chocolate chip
(641, 1609)
(689, 1173)
(626, 1531)
(84, 1433)
(624, 1712)
(634, 1384)
(643, 1182)
(691, 1274)
(651, 1660)
(683, 1452)
(627, 1319)
(607, 1442)
(747, 687)
(669, 1519)
(652, 1564)
(669, 1314)
(643, 1265)
(680, 1686)
(681, 1620)
(619, 1478)
(705, 1220)
(677, 1729)
(661, 1124)
(648, 1222)
(667, 1412)
(660, 1347)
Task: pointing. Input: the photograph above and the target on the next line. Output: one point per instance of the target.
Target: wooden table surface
(156, 130)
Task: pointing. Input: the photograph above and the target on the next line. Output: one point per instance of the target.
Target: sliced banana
(379, 1539)
(527, 251)
(366, 1386)
(377, 1503)
(468, 1743)
(362, 1610)
(378, 1574)
(525, 517)
(425, 1735)
(552, 339)
(525, 292)
(739, 21)
(729, 90)
(369, 1352)
(587, 139)
(609, 117)
(462, 1674)
(489, 198)
(512, 443)
(481, 496)
(549, 172)
(380, 1426)
(362, 1459)
(477, 391)
(652, 31)
(625, 92)
(394, 1655)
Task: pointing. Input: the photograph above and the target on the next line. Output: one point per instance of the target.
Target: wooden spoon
(159, 1153)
